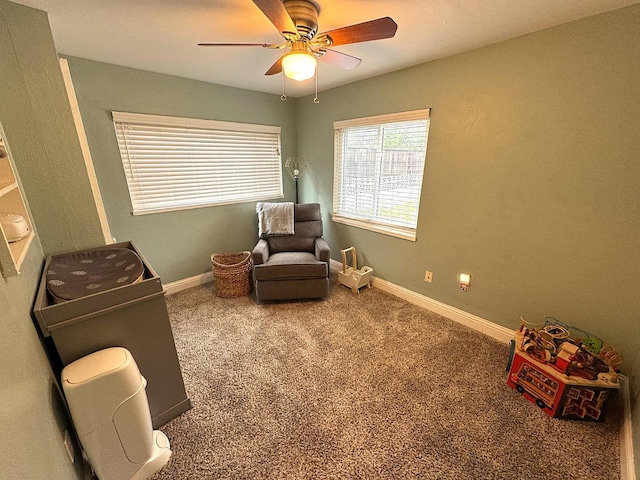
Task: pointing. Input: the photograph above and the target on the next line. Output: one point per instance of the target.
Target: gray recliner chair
(290, 267)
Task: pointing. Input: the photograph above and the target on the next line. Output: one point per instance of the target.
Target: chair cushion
(307, 212)
(291, 265)
(291, 243)
(308, 227)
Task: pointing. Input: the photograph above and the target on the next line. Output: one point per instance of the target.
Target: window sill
(393, 231)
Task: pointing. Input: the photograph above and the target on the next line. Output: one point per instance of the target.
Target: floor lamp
(295, 166)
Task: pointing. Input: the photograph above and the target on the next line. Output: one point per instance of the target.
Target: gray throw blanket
(275, 219)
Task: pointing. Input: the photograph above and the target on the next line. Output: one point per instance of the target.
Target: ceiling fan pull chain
(283, 97)
(316, 99)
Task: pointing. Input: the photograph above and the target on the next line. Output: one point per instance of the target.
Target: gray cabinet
(132, 316)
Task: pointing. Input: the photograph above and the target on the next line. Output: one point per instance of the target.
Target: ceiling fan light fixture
(299, 66)
(297, 22)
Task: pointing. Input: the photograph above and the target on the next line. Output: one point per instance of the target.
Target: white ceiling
(162, 35)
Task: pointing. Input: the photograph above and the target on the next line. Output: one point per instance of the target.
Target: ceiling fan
(297, 22)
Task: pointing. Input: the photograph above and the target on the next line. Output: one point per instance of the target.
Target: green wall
(532, 180)
(531, 186)
(33, 416)
(531, 183)
(177, 244)
(53, 171)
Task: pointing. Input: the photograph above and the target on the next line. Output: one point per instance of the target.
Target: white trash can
(108, 403)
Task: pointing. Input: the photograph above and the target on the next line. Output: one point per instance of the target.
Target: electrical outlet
(428, 276)
(68, 445)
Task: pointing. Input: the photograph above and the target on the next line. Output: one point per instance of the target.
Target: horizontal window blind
(173, 163)
(378, 170)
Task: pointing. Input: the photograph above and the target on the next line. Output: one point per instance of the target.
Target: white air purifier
(108, 403)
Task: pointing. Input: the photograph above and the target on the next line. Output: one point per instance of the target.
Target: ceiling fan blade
(276, 67)
(265, 45)
(342, 60)
(363, 32)
(274, 10)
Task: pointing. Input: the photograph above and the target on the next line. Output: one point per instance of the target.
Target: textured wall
(177, 244)
(43, 135)
(531, 181)
(32, 416)
(530, 184)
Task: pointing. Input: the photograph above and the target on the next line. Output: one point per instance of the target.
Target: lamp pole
(295, 166)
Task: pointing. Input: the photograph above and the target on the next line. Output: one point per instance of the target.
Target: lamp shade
(295, 166)
(299, 66)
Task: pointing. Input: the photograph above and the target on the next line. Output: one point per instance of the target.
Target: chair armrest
(260, 252)
(323, 253)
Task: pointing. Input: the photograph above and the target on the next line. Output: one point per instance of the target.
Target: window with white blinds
(378, 168)
(174, 163)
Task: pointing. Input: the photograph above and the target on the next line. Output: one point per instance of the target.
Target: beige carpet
(361, 386)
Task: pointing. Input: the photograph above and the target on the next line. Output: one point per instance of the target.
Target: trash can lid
(96, 364)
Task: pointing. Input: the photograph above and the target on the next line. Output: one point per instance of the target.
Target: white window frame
(202, 161)
(369, 223)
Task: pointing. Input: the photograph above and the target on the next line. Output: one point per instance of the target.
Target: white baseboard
(175, 287)
(496, 331)
(503, 334)
(627, 461)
